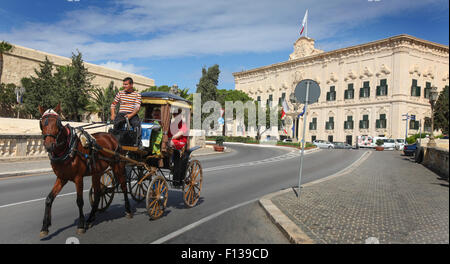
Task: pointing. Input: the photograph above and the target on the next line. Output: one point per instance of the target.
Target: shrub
(220, 140)
(379, 142)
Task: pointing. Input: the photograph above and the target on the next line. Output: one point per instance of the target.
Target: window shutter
(377, 124)
(378, 90)
(345, 94)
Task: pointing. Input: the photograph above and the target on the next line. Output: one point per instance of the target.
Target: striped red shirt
(128, 101)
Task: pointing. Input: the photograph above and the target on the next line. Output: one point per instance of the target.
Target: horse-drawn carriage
(149, 174)
(139, 161)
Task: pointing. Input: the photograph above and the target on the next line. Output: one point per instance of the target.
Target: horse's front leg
(48, 205)
(79, 186)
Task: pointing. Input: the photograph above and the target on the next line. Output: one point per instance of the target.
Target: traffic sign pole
(307, 92)
(303, 140)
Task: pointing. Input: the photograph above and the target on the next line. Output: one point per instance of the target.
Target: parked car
(287, 140)
(389, 143)
(342, 145)
(323, 144)
(399, 143)
(410, 149)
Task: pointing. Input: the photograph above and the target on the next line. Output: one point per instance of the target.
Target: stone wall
(437, 160)
(21, 62)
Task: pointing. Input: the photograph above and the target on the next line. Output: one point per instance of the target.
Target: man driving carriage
(130, 103)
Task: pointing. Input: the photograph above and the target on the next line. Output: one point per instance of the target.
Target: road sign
(313, 93)
(307, 92)
(221, 121)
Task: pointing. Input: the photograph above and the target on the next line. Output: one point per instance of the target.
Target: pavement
(383, 197)
(25, 166)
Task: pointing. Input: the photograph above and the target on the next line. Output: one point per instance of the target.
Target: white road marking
(199, 222)
(40, 199)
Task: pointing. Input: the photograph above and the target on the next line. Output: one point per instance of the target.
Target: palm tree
(184, 93)
(4, 47)
(101, 101)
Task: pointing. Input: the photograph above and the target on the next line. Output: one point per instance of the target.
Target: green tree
(162, 88)
(75, 81)
(185, 94)
(40, 90)
(207, 85)
(441, 112)
(7, 99)
(4, 47)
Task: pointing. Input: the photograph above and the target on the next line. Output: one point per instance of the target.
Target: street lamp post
(19, 94)
(433, 99)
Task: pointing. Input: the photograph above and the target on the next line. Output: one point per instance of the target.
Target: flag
(284, 109)
(304, 21)
(302, 113)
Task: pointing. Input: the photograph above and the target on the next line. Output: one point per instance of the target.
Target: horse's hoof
(43, 234)
(81, 231)
(129, 215)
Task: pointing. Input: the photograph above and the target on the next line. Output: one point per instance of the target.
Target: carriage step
(135, 149)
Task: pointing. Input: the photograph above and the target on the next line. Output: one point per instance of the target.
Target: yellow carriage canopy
(163, 98)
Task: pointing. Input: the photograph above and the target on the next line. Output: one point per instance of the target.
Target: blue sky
(170, 41)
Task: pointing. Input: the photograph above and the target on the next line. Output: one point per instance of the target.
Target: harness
(75, 134)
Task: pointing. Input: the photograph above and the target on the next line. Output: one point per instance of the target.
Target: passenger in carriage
(157, 136)
(177, 133)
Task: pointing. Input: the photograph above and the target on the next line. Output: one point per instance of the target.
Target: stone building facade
(21, 62)
(365, 89)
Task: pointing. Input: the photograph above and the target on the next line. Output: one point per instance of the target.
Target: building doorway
(348, 140)
(330, 139)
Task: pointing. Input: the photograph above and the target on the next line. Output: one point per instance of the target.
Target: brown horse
(69, 160)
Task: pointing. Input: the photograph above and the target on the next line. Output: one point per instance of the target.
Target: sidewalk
(27, 167)
(387, 198)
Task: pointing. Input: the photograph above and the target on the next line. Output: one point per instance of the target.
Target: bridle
(45, 118)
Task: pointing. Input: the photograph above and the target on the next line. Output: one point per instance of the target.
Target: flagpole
(306, 24)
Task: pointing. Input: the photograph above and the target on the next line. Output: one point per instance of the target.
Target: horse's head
(51, 126)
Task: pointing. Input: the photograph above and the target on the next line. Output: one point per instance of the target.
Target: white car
(389, 143)
(323, 144)
(399, 143)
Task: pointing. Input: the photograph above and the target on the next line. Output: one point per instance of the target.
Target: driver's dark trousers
(119, 121)
(135, 123)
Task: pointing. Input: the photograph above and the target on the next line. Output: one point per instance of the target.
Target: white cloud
(177, 28)
(122, 67)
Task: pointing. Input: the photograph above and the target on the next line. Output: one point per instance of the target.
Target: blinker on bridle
(58, 123)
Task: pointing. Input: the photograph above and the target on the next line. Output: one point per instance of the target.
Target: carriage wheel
(107, 187)
(136, 190)
(157, 195)
(192, 184)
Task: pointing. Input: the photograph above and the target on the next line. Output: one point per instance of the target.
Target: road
(226, 213)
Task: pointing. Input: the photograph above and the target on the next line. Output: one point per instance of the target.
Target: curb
(291, 230)
(287, 227)
(24, 173)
